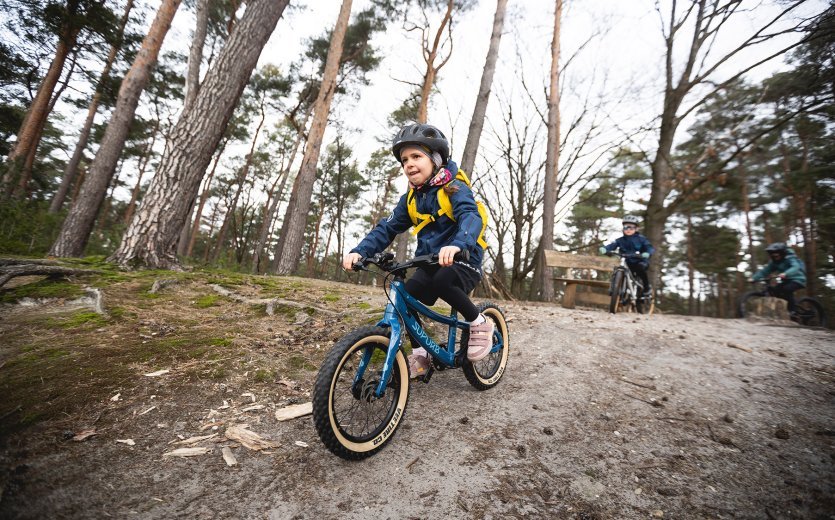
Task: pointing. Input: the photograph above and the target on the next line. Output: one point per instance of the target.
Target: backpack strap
(419, 220)
(446, 209)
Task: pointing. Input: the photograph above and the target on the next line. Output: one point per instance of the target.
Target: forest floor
(598, 416)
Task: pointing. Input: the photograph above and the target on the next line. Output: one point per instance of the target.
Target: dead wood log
(21, 261)
(11, 271)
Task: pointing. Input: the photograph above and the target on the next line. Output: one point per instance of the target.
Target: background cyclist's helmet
(630, 219)
(777, 247)
(423, 134)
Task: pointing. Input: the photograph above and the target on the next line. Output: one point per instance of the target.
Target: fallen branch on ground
(649, 387)
(8, 272)
(653, 402)
(270, 302)
(740, 347)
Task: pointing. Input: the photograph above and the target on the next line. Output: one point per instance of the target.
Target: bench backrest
(573, 261)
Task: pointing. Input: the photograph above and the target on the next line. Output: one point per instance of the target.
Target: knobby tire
(617, 290)
(336, 399)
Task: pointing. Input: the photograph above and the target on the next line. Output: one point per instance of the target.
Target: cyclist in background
(637, 244)
(791, 273)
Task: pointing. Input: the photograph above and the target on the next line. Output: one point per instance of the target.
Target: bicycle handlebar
(624, 255)
(385, 261)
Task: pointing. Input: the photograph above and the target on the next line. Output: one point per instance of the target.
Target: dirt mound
(598, 416)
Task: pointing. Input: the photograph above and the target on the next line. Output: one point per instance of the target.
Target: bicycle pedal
(428, 375)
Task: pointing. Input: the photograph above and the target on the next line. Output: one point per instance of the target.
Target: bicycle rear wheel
(350, 420)
(617, 291)
(487, 372)
(811, 313)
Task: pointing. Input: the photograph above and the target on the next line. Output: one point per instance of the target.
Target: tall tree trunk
(551, 161)
(240, 184)
(151, 239)
(295, 218)
(430, 54)
(691, 254)
(195, 55)
(207, 189)
(195, 59)
(480, 110)
(143, 166)
(276, 199)
(80, 220)
(72, 166)
(710, 20)
(746, 209)
(28, 137)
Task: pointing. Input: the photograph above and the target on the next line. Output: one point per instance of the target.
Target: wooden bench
(570, 262)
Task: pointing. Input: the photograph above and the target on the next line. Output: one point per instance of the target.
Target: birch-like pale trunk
(151, 238)
(552, 154)
(78, 225)
(292, 233)
(480, 110)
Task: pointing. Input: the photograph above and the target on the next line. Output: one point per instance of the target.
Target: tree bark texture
(195, 55)
(78, 225)
(72, 166)
(295, 218)
(480, 110)
(28, 137)
(151, 238)
(551, 161)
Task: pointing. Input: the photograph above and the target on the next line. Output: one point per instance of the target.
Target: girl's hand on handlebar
(350, 259)
(447, 254)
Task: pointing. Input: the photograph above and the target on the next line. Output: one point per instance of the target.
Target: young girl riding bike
(423, 151)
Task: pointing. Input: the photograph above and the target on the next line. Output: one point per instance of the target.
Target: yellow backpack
(421, 220)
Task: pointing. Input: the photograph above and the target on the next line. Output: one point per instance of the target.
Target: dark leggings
(785, 291)
(451, 284)
(639, 269)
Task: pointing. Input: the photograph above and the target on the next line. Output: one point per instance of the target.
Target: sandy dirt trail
(598, 416)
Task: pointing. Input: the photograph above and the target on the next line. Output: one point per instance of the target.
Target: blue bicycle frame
(402, 305)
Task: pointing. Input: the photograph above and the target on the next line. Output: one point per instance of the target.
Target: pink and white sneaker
(481, 340)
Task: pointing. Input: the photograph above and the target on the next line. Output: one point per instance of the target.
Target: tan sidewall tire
(380, 440)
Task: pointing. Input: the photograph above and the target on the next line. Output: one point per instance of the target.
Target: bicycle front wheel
(745, 303)
(352, 422)
(617, 291)
(811, 313)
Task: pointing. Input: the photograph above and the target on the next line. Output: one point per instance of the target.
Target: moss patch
(46, 288)
(205, 302)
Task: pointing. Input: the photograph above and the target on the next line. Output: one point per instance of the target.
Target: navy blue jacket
(462, 232)
(637, 243)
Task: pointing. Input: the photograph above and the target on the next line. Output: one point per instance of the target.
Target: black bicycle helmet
(630, 219)
(422, 134)
(777, 247)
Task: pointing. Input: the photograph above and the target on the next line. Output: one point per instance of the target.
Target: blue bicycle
(362, 388)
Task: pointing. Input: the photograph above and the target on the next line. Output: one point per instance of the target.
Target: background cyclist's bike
(625, 289)
(808, 311)
(362, 388)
